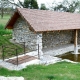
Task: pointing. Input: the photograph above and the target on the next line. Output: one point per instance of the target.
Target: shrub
(4, 31)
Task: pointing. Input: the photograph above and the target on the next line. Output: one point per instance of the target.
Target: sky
(48, 3)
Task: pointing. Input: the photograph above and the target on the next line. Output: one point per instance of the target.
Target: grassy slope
(2, 31)
(4, 20)
(58, 71)
(5, 36)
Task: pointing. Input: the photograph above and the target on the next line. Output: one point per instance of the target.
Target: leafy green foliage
(43, 7)
(32, 4)
(3, 31)
(68, 6)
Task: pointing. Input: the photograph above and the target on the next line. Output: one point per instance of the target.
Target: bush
(4, 31)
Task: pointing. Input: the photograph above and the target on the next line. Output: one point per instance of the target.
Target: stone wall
(53, 39)
(21, 33)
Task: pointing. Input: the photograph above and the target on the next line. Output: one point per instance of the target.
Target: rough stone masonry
(22, 33)
(56, 38)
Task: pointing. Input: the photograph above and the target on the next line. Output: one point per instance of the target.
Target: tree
(67, 6)
(1, 8)
(9, 3)
(18, 4)
(3, 4)
(32, 4)
(43, 7)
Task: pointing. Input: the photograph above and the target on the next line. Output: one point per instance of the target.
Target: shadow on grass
(50, 77)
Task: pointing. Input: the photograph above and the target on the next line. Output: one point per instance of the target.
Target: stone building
(47, 28)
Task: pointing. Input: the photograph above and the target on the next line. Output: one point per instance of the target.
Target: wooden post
(24, 47)
(75, 42)
(3, 52)
(17, 57)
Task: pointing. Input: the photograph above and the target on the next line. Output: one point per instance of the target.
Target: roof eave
(53, 30)
(12, 20)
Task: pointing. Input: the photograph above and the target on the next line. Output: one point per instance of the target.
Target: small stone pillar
(39, 42)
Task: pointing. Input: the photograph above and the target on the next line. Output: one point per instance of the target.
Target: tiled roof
(45, 20)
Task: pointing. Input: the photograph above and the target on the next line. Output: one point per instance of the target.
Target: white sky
(48, 3)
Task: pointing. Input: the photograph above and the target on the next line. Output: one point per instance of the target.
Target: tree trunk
(2, 13)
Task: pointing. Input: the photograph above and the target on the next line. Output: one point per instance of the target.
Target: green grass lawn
(58, 71)
(5, 19)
